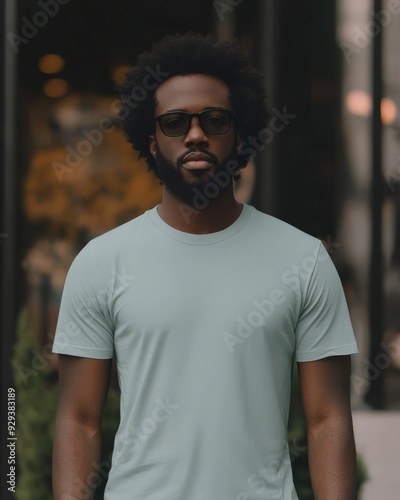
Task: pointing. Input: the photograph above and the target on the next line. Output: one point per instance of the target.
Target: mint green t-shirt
(204, 329)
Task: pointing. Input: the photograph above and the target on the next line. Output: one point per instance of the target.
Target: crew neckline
(200, 239)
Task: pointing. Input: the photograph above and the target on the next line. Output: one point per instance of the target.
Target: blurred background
(68, 175)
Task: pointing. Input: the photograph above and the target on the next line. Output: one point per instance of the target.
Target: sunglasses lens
(174, 124)
(215, 122)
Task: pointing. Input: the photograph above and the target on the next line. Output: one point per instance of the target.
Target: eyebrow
(179, 110)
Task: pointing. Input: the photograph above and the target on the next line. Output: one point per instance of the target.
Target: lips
(197, 161)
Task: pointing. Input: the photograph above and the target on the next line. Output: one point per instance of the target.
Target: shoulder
(121, 236)
(112, 248)
(283, 237)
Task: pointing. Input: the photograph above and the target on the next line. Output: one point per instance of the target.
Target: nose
(195, 134)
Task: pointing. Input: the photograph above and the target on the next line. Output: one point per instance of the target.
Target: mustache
(199, 149)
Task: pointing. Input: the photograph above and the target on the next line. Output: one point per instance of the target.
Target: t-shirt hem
(83, 352)
(337, 351)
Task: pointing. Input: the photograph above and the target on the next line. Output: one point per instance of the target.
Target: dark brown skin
(84, 383)
(325, 390)
(194, 93)
(83, 387)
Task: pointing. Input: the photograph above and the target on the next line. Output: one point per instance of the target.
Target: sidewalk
(377, 435)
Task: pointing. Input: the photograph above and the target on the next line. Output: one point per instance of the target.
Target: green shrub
(36, 398)
(35, 380)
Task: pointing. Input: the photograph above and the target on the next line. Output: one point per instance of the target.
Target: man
(205, 303)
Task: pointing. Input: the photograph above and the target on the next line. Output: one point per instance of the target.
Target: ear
(152, 146)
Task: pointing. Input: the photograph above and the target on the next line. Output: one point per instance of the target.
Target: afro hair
(185, 54)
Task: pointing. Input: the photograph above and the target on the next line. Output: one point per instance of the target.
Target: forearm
(76, 455)
(332, 459)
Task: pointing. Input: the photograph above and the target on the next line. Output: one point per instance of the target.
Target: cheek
(170, 147)
(223, 149)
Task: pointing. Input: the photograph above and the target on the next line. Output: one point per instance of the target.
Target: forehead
(191, 93)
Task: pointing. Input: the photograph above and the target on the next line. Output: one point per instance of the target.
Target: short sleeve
(84, 327)
(324, 326)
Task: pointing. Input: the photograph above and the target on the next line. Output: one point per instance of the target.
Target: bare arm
(325, 389)
(83, 386)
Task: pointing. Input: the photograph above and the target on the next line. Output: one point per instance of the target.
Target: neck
(215, 215)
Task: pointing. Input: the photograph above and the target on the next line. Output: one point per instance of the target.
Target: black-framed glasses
(212, 121)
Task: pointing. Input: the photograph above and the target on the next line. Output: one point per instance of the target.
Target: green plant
(36, 397)
(36, 384)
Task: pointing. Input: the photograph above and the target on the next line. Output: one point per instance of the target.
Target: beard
(210, 183)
